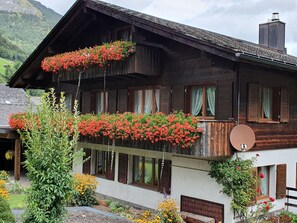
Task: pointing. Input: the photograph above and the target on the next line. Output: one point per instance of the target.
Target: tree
(50, 144)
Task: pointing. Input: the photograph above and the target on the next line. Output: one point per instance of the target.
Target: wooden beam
(17, 159)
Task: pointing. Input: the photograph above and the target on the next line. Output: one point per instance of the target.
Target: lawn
(5, 62)
(17, 201)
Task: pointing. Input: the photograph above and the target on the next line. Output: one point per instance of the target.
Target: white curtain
(99, 103)
(211, 99)
(148, 165)
(137, 169)
(106, 101)
(137, 101)
(264, 181)
(148, 98)
(68, 99)
(157, 97)
(267, 102)
(197, 99)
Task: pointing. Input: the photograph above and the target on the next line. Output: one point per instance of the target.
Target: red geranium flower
(261, 175)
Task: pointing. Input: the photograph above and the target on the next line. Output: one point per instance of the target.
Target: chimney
(272, 33)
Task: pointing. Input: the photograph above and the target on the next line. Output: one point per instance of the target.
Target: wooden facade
(174, 59)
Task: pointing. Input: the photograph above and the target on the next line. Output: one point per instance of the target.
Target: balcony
(213, 143)
(146, 61)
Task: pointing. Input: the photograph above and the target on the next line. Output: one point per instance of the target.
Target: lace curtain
(148, 98)
(157, 97)
(264, 181)
(267, 101)
(100, 102)
(137, 101)
(211, 99)
(197, 99)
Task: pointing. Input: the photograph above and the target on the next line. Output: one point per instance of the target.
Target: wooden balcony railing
(213, 143)
(145, 61)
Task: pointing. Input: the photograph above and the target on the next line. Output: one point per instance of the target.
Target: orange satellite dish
(242, 138)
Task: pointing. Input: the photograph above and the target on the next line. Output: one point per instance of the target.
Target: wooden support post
(17, 159)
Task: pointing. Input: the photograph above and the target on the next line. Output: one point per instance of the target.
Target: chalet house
(223, 80)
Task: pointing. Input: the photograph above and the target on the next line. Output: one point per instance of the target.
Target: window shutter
(112, 101)
(122, 100)
(224, 101)
(86, 102)
(281, 180)
(87, 164)
(110, 166)
(178, 98)
(123, 168)
(275, 104)
(253, 102)
(165, 179)
(284, 105)
(165, 96)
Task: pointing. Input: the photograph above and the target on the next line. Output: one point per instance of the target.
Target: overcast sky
(236, 18)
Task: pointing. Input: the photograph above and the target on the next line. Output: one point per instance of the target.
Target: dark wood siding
(281, 180)
(224, 101)
(123, 168)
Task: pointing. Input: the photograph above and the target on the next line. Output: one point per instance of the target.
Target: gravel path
(85, 215)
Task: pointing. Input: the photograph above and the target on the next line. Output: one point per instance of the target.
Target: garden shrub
(50, 144)
(16, 187)
(3, 190)
(4, 175)
(5, 213)
(85, 186)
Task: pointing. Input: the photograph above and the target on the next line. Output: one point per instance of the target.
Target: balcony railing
(146, 61)
(213, 143)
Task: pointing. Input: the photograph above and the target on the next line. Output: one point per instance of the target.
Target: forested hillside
(23, 25)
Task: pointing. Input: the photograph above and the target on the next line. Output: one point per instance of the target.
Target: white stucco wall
(190, 178)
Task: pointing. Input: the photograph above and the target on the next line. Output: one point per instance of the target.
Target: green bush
(5, 213)
(50, 147)
(4, 175)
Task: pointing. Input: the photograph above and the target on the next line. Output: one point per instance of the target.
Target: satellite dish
(242, 138)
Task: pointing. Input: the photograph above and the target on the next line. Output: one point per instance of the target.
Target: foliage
(16, 187)
(50, 150)
(6, 215)
(17, 201)
(116, 207)
(3, 190)
(260, 212)
(287, 216)
(85, 187)
(81, 59)
(166, 213)
(4, 175)
(238, 181)
(176, 129)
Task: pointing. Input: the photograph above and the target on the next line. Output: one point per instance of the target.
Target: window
(124, 34)
(101, 102)
(203, 100)
(265, 101)
(267, 104)
(146, 101)
(105, 164)
(263, 180)
(145, 171)
(69, 101)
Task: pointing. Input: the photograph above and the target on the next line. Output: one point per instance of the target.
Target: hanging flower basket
(81, 59)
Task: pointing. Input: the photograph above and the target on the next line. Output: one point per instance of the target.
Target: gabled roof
(232, 48)
(12, 100)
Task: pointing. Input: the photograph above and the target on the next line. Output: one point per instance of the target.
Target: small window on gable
(146, 101)
(101, 102)
(266, 104)
(203, 101)
(124, 34)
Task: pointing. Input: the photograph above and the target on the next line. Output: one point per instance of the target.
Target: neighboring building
(12, 100)
(225, 81)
